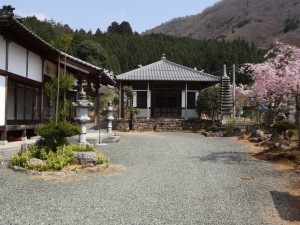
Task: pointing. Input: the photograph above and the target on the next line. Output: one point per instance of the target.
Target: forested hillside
(119, 49)
(258, 21)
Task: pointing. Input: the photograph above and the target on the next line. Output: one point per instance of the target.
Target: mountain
(258, 21)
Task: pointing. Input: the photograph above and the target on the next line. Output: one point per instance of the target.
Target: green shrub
(59, 159)
(36, 152)
(55, 134)
(66, 153)
(101, 158)
(213, 128)
(20, 159)
(290, 133)
(53, 160)
(83, 148)
(230, 127)
(41, 167)
(283, 126)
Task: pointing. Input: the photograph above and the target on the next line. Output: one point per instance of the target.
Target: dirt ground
(79, 172)
(287, 161)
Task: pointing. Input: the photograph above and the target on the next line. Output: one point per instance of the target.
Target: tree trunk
(298, 118)
(270, 118)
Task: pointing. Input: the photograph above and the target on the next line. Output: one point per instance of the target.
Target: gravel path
(174, 178)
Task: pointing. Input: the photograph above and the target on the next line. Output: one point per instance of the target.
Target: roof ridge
(13, 18)
(185, 67)
(167, 70)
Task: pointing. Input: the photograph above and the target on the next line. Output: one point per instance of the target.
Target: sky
(92, 14)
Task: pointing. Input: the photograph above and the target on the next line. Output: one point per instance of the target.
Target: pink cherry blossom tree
(277, 80)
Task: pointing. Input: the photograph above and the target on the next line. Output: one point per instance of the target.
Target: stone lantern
(110, 117)
(82, 107)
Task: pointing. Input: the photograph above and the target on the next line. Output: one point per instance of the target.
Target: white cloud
(39, 16)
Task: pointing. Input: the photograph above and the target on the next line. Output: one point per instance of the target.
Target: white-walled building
(164, 89)
(26, 62)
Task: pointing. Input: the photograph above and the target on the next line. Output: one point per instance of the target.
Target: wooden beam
(75, 67)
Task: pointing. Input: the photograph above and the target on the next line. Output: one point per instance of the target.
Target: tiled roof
(165, 70)
(6, 14)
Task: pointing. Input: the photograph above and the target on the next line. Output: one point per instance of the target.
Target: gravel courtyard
(155, 178)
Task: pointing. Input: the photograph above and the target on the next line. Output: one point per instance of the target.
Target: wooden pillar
(57, 98)
(186, 100)
(3, 134)
(121, 102)
(41, 91)
(148, 101)
(97, 107)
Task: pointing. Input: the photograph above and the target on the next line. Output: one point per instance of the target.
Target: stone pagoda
(226, 103)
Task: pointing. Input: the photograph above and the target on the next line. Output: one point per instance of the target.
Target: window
(29, 103)
(23, 102)
(191, 100)
(11, 101)
(141, 99)
(20, 101)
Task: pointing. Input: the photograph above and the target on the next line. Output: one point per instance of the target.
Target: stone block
(86, 158)
(36, 162)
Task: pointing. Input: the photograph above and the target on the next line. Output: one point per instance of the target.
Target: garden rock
(257, 136)
(251, 128)
(237, 131)
(281, 116)
(213, 134)
(98, 168)
(276, 136)
(282, 146)
(36, 162)
(86, 158)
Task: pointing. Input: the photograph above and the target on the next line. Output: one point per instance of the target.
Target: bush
(101, 158)
(20, 159)
(230, 127)
(36, 152)
(55, 134)
(283, 126)
(83, 148)
(53, 160)
(290, 134)
(213, 128)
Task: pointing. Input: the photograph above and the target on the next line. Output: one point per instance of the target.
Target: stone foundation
(163, 124)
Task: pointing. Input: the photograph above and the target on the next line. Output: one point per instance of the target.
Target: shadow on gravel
(226, 158)
(287, 205)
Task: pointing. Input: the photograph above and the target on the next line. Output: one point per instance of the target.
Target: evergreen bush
(283, 126)
(55, 134)
(230, 127)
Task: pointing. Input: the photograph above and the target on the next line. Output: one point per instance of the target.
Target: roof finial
(7, 10)
(163, 57)
(225, 74)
